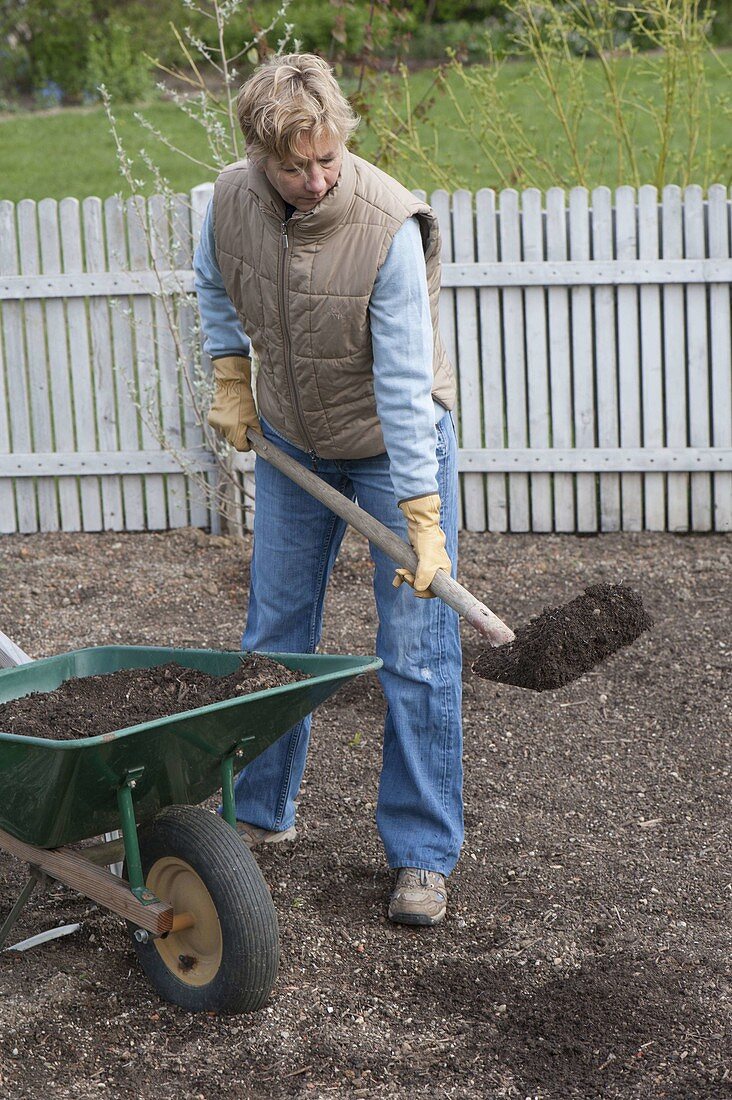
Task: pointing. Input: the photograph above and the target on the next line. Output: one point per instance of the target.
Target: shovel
(553, 649)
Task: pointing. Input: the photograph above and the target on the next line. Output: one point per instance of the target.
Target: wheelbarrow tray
(59, 792)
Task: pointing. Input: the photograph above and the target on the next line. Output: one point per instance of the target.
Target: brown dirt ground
(586, 948)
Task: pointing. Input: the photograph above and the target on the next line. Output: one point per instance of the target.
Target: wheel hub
(192, 953)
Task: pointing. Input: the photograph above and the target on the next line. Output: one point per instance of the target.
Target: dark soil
(92, 705)
(585, 955)
(563, 643)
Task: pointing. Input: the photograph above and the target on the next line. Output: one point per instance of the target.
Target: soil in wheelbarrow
(91, 705)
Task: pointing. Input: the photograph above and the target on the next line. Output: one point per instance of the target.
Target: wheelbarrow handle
(10, 653)
(453, 594)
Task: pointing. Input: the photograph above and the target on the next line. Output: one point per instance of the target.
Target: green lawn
(71, 151)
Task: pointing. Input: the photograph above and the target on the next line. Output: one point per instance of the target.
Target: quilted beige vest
(302, 290)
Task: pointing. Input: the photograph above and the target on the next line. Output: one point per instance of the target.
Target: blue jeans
(296, 539)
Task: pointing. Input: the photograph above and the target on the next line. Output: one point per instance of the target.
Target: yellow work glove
(428, 542)
(233, 409)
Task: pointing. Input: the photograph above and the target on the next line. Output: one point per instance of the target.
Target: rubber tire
(244, 906)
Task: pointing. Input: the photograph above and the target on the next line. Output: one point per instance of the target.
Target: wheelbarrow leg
(228, 807)
(13, 915)
(132, 845)
(228, 811)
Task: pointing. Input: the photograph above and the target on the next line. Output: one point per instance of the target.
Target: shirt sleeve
(402, 341)
(223, 333)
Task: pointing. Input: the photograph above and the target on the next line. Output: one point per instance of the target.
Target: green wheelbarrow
(200, 914)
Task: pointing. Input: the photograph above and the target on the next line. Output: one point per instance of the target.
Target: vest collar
(323, 218)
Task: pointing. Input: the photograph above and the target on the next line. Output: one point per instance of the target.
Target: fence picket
(182, 255)
(101, 348)
(674, 358)
(8, 519)
(19, 437)
(201, 196)
(124, 365)
(81, 376)
(440, 203)
(697, 358)
(537, 365)
(468, 364)
(491, 357)
(58, 363)
(583, 375)
(559, 359)
(515, 361)
(167, 359)
(631, 485)
(147, 388)
(40, 405)
(651, 358)
(721, 352)
(608, 431)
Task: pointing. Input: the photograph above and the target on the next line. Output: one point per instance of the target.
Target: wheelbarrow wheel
(226, 959)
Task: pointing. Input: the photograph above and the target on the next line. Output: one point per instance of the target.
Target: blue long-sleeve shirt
(402, 342)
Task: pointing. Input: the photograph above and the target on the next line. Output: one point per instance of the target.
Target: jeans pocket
(443, 439)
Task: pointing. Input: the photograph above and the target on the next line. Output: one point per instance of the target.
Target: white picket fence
(590, 331)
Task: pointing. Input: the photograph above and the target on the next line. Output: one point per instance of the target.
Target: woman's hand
(233, 409)
(428, 542)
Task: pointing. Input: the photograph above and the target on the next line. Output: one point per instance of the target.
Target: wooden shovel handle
(400, 552)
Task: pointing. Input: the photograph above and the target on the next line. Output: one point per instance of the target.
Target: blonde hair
(288, 98)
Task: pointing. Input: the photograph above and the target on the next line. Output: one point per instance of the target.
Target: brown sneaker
(253, 836)
(419, 897)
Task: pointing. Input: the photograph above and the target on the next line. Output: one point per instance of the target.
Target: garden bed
(586, 945)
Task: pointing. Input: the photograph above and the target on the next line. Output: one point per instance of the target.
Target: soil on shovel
(91, 705)
(563, 643)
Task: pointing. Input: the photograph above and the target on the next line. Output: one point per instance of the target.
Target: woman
(330, 269)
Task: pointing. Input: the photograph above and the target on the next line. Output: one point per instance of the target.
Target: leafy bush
(720, 31)
(73, 45)
(456, 11)
(469, 41)
(57, 45)
(115, 62)
(14, 68)
(337, 31)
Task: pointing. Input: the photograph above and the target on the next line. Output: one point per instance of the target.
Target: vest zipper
(288, 346)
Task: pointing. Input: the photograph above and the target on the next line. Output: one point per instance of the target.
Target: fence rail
(590, 332)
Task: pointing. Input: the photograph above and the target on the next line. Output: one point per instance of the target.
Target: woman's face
(305, 182)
